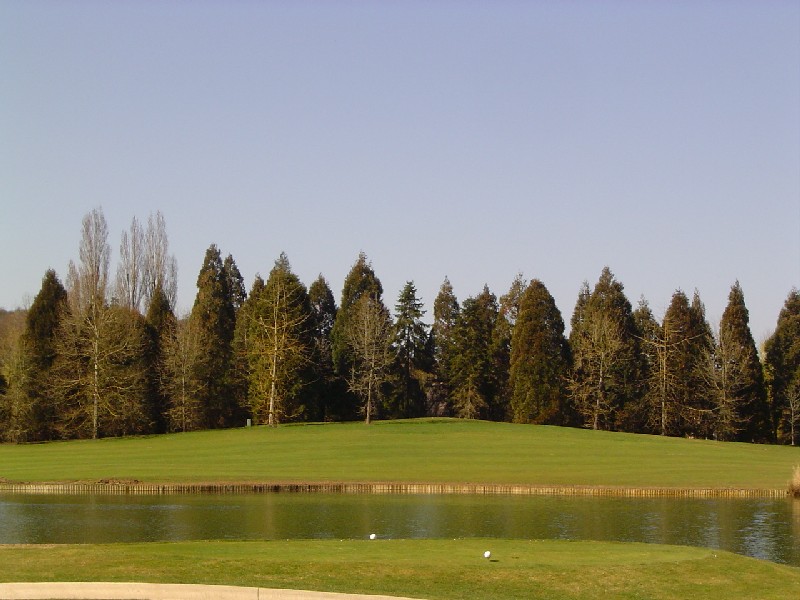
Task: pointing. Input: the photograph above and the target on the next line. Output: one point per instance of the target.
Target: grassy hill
(439, 450)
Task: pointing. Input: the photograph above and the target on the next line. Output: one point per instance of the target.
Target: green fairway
(430, 569)
(408, 451)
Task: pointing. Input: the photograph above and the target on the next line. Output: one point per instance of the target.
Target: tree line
(99, 357)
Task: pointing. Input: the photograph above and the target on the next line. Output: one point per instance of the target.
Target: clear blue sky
(468, 139)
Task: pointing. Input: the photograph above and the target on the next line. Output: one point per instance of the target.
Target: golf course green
(440, 451)
(432, 569)
(436, 451)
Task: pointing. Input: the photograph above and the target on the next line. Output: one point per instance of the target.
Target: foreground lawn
(432, 569)
(417, 451)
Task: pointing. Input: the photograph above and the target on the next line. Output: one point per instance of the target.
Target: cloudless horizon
(473, 140)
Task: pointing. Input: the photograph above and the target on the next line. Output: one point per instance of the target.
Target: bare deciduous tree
(99, 373)
(130, 270)
(724, 374)
(368, 337)
(600, 350)
(160, 267)
(181, 347)
(278, 346)
(16, 409)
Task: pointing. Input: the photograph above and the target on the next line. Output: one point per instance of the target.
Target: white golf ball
(487, 554)
(372, 536)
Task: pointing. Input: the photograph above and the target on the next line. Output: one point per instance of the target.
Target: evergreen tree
(474, 380)
(675, 394)
(445, 317)
(607, 358)
(700, 343)
(237, 293)
(782, 369)
(539, 359)
(649, 331)
(360, 282)
(240, 372)
(213, 315)
(160, 321)
(508, 310)
(742, 407)
(412, 361)
(579, 313)
(41, 328)
(326, 387)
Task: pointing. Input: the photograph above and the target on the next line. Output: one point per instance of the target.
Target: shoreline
(132, 487)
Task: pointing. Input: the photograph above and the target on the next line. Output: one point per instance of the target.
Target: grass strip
(432, 569)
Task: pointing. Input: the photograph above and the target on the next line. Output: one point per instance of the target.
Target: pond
(761, 528)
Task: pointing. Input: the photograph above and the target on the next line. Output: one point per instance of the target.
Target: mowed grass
(432, 569)
(425, 450)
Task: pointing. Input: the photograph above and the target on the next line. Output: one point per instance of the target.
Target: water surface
(761, 528)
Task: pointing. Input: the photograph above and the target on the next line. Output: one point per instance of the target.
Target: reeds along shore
(110, 487)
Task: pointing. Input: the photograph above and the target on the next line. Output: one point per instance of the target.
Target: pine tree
(237, 293)
(412, 362)
(539, 359)
(326, 387)
(508, 310)
(360, 282)
(607, 358)
(41, 328)
(240, 372)
(782, 369)
(445, 317)
(213, 315)
(700, 343)
(160, 321)
(474, 382)
(646, 419)
(674, 393)
(740, 403)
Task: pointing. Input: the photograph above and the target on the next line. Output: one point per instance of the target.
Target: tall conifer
(539, 359)
(445, 316)
(782, 368)
(360, 282)
(326, 388)
(736, 345)
(412, 361)
(474, 380)
(41, 329)
(213, 315)
(607, 357)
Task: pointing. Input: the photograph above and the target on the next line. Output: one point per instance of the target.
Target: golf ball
(372, 536)
(487, 554)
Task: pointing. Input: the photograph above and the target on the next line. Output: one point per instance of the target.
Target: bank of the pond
(133, 488)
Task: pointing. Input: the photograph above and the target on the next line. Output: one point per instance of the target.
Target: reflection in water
(768, 529)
